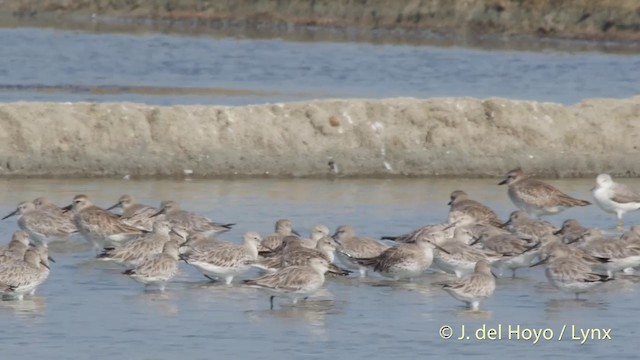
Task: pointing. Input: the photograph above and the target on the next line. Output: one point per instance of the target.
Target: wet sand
(390, 137)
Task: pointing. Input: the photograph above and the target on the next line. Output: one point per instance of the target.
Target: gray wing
(292, 278)
(230, 256)
(540, 193)
(140, 217)
(17, 274)
(47, 224)
(623, 194)
(157, 265)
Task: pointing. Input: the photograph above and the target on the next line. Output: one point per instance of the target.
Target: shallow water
(64, 65)
(89, 308)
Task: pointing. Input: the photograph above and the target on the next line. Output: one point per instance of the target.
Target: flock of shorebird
(471, 244)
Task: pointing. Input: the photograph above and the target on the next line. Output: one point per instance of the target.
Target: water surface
(89, 308)
(65, 65)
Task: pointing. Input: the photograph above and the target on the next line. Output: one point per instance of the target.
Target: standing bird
(16, 248)
(480, 213)
(42, 224)
(519, 223)
(516, 252)
(199, 243)
(21, 277)
(134, 214)
(620, 254)
(444, 230)
(134, 252)
(225, 262)
(192, 221)
(317, 232)
(472, 288)
(461, 258)
(615, 198)
(570, 274)
(157, 270)
(98, 226)
(296, 254)
(570, 231)
(274, 261)
(272, 242)
(535, 197)
(293, 282)
(354, 247)
(43, 252)
(405, 261)
(43, 203)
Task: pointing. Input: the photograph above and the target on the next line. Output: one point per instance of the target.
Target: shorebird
(192, 221)
(133, 253)
(519, 223)
(298, 255)
(21, 277)
(516, 252)
(480, 213)
(134, 214)
(573, 251)
(317, 233)
(353, 247)
(570, 274)
(42, 224)
(273, 241)
(226, 262)
(615, 198)
(570, 231)
(444, 229)
(535, 197)
(44, 204)
(406, 261)
(179, 234)
(200, 243)
(293, 282)
(325, 249)
(43, 252)
(16, 248)
(98, 226)
(461, 258)
(472, 288)
(157, 270)
(619, 254)
(289, 243)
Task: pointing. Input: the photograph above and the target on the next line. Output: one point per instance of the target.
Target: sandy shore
(575, 19)
(404, 136)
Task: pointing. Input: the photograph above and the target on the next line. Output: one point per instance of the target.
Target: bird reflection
(162, 302)
(555, 306)
(469, 314)
(422, 285)
(312, 312)
(28, 308)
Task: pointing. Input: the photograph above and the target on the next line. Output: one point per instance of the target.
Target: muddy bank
(575, 19)
(405, 136)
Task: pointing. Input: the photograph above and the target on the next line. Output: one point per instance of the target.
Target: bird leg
(271, 301)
